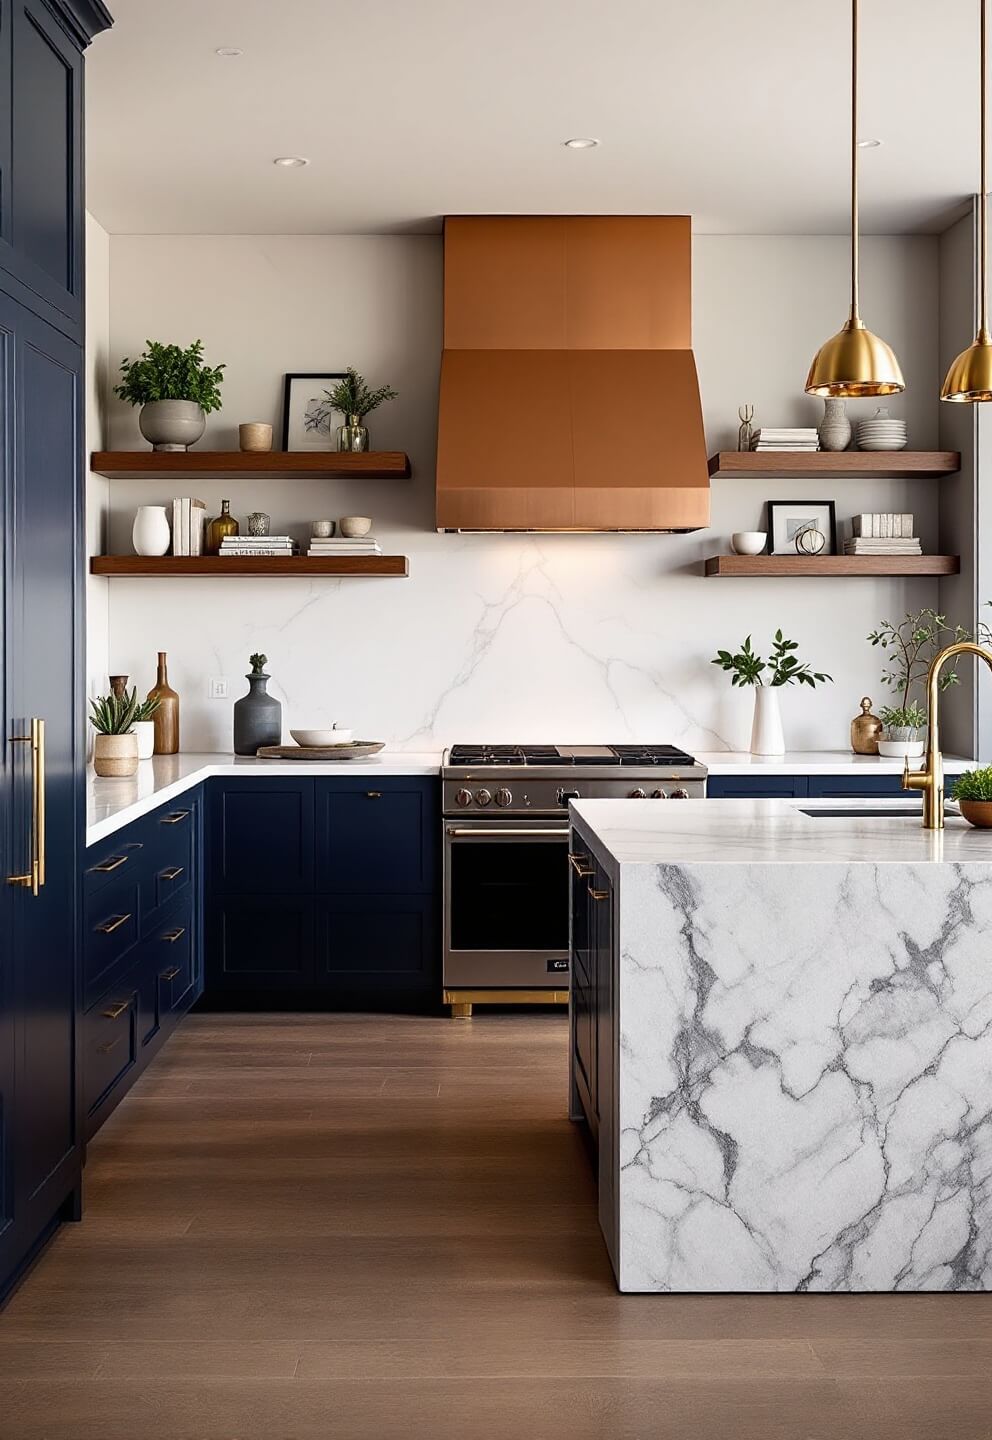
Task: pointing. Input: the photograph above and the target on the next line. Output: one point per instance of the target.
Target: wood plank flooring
(367, 1227)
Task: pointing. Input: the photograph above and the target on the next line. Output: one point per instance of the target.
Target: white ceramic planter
(171, 424)
(145, 732)
(767, 736)
(150, 534)
(902, 749)
(115, 755)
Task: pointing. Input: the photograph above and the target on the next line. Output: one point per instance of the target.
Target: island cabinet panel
(801, 787)
(857, 786)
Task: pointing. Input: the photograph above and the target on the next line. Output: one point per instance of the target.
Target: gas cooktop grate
(569, 755)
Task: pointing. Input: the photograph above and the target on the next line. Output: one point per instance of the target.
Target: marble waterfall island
(782, 1040)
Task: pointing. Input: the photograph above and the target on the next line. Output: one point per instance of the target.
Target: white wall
(97, 489)
(507, 637)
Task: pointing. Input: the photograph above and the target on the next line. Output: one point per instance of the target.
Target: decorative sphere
(810, 541)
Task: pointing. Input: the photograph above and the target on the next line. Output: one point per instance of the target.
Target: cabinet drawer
(858, 786)
(170, 954)
(109, 1045)
(112, 929)
(116, 859)
(171, 855)
(377, 836)
(755, 787)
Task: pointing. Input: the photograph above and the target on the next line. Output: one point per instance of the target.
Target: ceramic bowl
(322, 737)
(901, 749)
(748, 542)
(977, 812)
(355, 527)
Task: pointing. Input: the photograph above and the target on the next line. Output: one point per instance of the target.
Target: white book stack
(785, 438)
(188, 520)
(367, 545)
(882, 534)
(257, 546)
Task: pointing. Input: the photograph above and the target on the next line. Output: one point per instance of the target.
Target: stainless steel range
(505, 822)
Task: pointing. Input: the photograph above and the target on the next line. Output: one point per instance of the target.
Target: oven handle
(500, 832)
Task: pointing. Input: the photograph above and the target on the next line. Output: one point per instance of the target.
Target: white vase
(145, 731)
(151, 534)
(767, 737)
(834, 429)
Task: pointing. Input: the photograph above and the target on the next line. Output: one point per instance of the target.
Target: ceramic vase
(115, 756)
(171, 424)
(166, 717)
(834, 429)
(150, 534)
(257, 717)
(767, 737)
(145, 731)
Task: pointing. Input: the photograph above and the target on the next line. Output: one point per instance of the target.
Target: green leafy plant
(258, 663)
(974, 784)
(167, 372)
(146, 708)
(114, 714)
(351, 396)
(781, 668)
(903, 717)
(911, 646)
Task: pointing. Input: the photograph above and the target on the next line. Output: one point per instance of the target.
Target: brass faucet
(931, 778)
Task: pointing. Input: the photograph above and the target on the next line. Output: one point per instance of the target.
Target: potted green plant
(783, 667)
(352, 398)
(175, 390)
(973, 792)
(911, 646)
(115, 749)
(143, 726)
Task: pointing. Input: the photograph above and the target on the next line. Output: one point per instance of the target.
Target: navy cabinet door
(855, 786)
(755, 787)
(261, 836)
(377, 947)
(376, 836)
(259, 942)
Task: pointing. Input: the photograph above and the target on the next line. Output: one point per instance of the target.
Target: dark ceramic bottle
(257, 715)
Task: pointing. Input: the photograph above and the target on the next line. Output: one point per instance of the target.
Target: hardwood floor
(367, 1228)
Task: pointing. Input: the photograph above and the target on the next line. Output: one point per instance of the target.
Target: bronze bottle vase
(166, 717)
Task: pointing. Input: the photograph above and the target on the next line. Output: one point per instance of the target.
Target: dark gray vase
(257, 717)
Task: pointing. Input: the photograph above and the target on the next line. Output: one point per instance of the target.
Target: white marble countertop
(112, 804)
(812, 762)
(724, 832)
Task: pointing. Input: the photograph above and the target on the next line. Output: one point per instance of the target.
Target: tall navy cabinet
(42, 693)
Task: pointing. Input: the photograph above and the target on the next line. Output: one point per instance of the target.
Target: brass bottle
(166, 717)
(865, 730)
(220, 526)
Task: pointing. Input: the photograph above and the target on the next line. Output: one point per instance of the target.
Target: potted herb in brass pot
(115, 749)
(973, 792)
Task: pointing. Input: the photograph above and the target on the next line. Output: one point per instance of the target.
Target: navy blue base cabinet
(803, 787)
(324, 892)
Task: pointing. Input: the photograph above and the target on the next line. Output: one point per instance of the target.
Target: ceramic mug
(322, 529)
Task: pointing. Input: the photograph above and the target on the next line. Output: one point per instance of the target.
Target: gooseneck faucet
(930, 780)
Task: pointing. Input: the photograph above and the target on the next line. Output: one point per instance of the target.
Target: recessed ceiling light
(290, 162)
(581, 142)
(228, 52)
(869, 144)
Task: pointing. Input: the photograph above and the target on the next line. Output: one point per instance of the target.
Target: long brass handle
(114, 863)
(109, 926)
(599, 894)
(170, 974)
(576, 863)
(116, 1011)
(171, 936)
(34, 878)
(174, 873)
(174, 818)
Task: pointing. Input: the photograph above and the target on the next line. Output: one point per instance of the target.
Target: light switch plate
(216, 689)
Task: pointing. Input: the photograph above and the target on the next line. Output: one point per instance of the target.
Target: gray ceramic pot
(257, 717)
(171, 424)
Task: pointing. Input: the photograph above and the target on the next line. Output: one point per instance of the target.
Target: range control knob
(463, 797)
(503, 796)
(637, 794)
(658, 795)
(679, 794)
(482, 797)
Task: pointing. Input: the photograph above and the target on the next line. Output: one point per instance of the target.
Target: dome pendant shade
(969, 378)
(854, 362)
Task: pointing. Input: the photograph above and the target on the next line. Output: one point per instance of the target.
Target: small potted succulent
(175, 390)
(973, 792)
(911, 646)
(352, 398)
(115, 749)
(768, 677)
(144, 727)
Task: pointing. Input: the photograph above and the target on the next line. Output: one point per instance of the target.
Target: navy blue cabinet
(800, 787)
(262, 837)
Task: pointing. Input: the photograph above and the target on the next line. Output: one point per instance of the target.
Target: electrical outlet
(216, 689)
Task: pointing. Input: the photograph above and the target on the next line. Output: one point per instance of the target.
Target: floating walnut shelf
(193, 565)
(834, 465)
(824, 565)
(247, 465)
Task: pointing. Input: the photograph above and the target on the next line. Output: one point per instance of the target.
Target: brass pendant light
(970, 377)
(854, 361)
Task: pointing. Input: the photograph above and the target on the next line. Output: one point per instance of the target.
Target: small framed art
(802, 527)
(308, 421)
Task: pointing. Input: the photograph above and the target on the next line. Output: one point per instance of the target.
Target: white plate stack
(881, 432)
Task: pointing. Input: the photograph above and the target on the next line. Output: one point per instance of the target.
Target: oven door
(506, 904)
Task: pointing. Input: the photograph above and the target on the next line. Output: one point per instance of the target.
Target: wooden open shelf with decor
(189, 565)
(834, 465)
(824, 565)
(248, 465)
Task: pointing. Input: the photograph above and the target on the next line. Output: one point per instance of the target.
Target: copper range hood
(569, 397)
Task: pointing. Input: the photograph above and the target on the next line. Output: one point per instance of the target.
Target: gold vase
(220, 526)
(166, 717)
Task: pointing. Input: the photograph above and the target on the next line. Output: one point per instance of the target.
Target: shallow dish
(322, 737)
(357, 750)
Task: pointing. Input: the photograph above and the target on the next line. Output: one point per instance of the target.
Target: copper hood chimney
(569, 397)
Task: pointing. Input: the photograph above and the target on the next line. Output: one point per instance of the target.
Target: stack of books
(188, 519)
(368, 545)
(258, 545)
(785, 438)
(908, 545)
(882, 534)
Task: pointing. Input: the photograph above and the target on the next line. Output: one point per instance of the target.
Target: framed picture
(787, 519)
(308, 422)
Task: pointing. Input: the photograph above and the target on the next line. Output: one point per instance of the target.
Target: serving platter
(354, 750)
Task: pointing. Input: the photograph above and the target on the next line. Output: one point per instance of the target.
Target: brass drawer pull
(106, 1048)
(599, 894)
(114, 1012)
(170, 974)
(174, 873)
(174, 818)
(580, 869)
(109, 926)
(133, 845)
(173, 935)
(114, 863)
(373, 794)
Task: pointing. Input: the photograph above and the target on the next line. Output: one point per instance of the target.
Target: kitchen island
(781, 1026)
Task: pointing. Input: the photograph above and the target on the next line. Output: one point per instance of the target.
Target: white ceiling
(733, 111)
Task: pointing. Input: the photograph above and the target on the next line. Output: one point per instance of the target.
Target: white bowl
(322, 737)
(902, 749)
(748, 542)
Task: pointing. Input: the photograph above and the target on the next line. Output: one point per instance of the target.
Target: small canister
(865, 730)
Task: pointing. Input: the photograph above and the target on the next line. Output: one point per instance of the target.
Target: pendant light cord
(983, 199)
(855, 315)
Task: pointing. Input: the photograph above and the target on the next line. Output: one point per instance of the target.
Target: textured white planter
(171, 424)
(144, 730)
(767, 737)
(115, 755)
(834, 429)
(151, 534)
